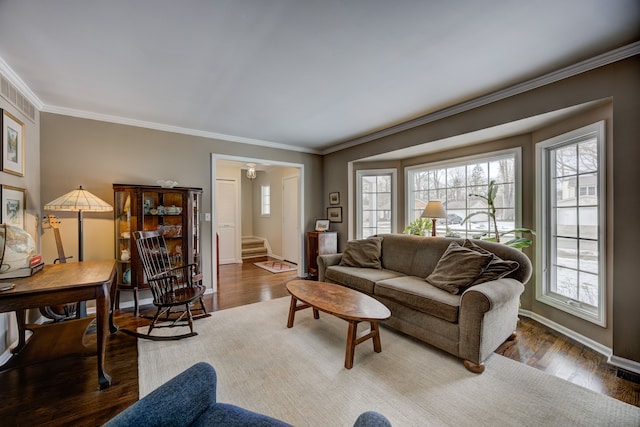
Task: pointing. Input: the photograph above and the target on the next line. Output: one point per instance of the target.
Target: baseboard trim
(626, 364)
(594, 345)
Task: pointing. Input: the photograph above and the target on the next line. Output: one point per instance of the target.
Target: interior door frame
(214, 251)
(297, 195)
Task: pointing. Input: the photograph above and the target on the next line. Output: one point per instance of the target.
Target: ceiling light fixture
(251, 172)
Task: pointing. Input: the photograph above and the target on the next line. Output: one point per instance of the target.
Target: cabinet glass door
(124, 226)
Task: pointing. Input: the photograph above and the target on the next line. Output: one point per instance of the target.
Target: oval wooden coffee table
(342, 302)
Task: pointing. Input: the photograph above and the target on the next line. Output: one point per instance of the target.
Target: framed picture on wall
(335, 214)
(12, 144)
(13, 206)
(334, 198)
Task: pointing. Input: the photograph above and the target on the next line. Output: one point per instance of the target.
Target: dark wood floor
(64, 392)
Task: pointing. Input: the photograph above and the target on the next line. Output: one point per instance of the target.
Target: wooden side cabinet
(319, 243)
(174, 211)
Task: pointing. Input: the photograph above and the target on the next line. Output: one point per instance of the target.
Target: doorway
(287, 245)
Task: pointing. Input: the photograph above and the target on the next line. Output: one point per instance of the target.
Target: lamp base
(433, 227)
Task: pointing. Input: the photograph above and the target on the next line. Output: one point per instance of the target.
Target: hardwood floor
(64, 391)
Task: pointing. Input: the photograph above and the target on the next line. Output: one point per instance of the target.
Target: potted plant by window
(518, 241)
(418, 227)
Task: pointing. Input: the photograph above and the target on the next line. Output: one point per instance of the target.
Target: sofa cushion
(361, 279)
(363, 253)
(497, 268)
(458, 268)
(415, 293)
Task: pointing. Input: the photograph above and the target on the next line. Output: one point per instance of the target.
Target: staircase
(253, 247)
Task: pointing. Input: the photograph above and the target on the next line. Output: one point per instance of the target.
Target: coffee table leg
(375, 332)
(292, 312)
(351, 343)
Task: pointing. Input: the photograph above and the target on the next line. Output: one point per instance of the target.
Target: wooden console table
(60, 284)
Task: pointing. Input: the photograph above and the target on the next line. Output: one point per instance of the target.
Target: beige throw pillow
(363, 253)
(497, 268)
(458, 268)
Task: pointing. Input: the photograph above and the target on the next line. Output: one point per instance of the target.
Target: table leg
(351, 343)
(375, 333)
(21, 319)
(292, 311)
(102, 329)
(113, 292)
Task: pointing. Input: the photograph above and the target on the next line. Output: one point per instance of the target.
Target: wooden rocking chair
(172, 286)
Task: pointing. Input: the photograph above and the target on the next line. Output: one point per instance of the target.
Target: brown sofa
(469, 325)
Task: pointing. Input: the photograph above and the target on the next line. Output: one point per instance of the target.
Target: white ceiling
(308, 74)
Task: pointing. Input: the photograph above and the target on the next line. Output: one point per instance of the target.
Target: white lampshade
(78, 200)
(434, 209)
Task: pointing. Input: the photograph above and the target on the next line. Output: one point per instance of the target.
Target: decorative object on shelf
(13, 206)
(251, 171)
(12, 144)
(80, 201)
(126, 277)
(433, 210)
(166, 183)
(335, 214)
(334, 198)
(173, 210)
(322, 225)
(125, 255)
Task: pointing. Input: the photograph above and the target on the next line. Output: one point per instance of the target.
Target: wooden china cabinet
(175, 211)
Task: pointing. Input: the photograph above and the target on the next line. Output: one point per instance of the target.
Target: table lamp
(433, 210)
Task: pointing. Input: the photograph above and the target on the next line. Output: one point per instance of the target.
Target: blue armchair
(189, 399)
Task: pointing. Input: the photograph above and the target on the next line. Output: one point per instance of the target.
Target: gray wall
(30, 182)
(96, 154)
(619, 82)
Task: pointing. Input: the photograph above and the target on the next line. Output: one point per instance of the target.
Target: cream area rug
(276, 266)
(298, 375)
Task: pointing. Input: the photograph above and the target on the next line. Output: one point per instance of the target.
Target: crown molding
(175, 129)
(607, 58)
(20, 85)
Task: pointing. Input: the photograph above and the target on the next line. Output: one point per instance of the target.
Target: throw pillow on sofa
(458, 268)
(363, 253)
(497, 268)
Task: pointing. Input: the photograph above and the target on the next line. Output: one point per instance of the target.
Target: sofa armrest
(491, 295)
(325, 261)
(179, 401)
(488, 316)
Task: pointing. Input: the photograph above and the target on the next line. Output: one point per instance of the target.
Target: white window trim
(543, 211)
(394, 197)
(517, 154)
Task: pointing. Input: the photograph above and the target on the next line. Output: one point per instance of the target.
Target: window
(456, 182)
(265, 200)
(375, 202)
(571, 222)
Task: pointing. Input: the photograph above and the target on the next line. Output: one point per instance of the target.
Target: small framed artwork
(13, 206)
(335, 214)
(322, 225)
(334, 198)
(12, 144)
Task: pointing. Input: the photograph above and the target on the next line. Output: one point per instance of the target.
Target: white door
(226, 219)
(290, 219)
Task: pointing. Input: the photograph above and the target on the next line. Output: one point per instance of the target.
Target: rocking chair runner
(171, 286)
